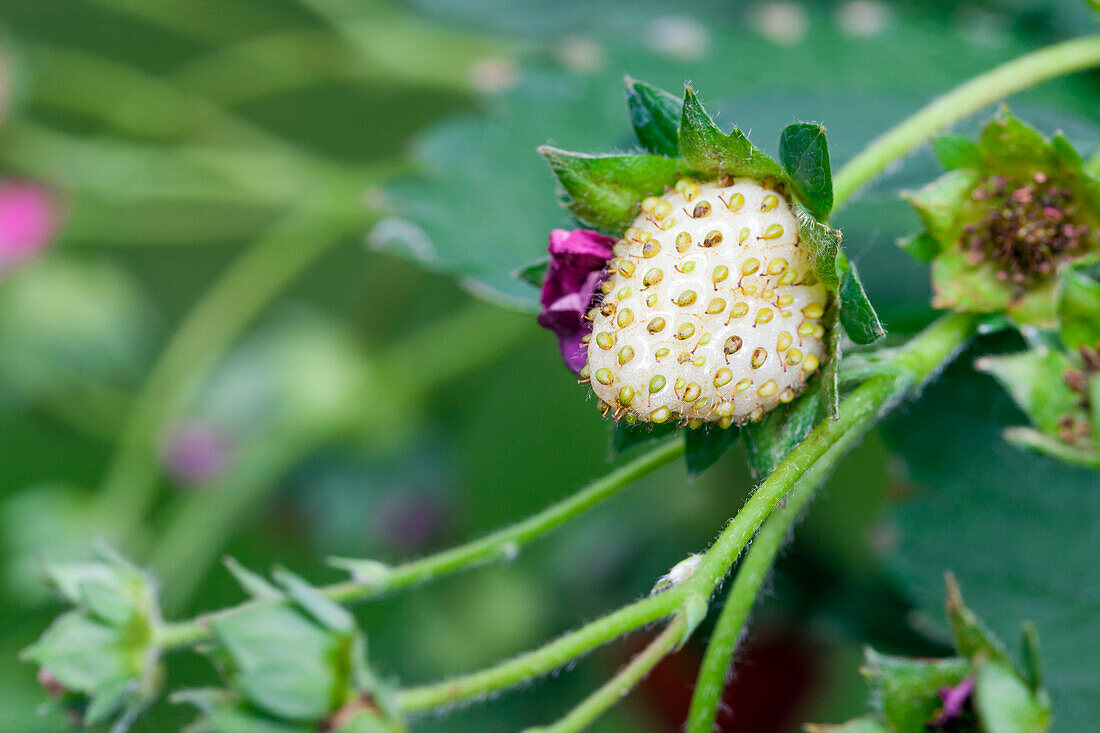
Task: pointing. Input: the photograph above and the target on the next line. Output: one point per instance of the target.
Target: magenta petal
(577, 261)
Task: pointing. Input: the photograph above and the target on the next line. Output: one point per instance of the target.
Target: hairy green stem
(915, 363)
(502, 544)
(613, 691)
(964, 100)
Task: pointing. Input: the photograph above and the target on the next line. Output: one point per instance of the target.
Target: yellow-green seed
(789, 277)
(604, 376)
(794, 356)
(583, 373)
(662, 209)
(651, 248)
(685, 298)
(687, 266)
(626, 396)
(652, 277)
(704, 339)
(650, 203)
(700, 361)
(656, 384)
(813, 310)
(685, 331)
(775, 231)
(767, 389)
(660, 415)
(716, 306)
(764, 315)
(759, 356)
(608, 308)
(651, 300)
(623, 293)
(683, 241)
(786, 395)
(713, 239)
(625, 354)
(810, 363)
(750, 266)
(784, 341)
(744, 235)
(769, 203)
(680, 383)
(692, 392)
(736, 202)
(785, 299)
(725, 421)
(733, 345)
(625, 318)
(605, 340)
(720, 273)
(662, 352)
(626, 269)
(701, 209)
(777, 266)
(739, 309)
(656, 325)
(743, 384)
(722, 377)
(806, 329)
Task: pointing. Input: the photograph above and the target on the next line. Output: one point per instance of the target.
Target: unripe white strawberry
(712, 312)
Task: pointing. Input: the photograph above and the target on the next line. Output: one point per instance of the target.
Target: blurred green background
(263, 331)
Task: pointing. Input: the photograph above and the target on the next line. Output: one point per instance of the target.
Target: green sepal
(1034, 379)
(712, 152)
(1031, 655)
(625, 436)
(1008, 145)
(804, 153)
(866, 724)
(1004, 702)
(703, 446)
(1087, 455)
(1079, 309)
(655, 115)
(772, 439)
(830, 369)
(857, 315)
(250, 582)
(604, 191)
(957, 151)
(921, 246)
(937, 204)
(823, 243)
(905, 691)
(533, 274)
(972, 637)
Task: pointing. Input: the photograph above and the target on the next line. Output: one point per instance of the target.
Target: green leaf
(705, 445)
(857, 315)
(711, 152)
(921, 246)
(84, 654)
(804, 152)
(1005, 704)
(533, 274)
(1017, 530)
(655, 115)
(604, 191)
(1079, 309)
(625, 436)
(823, 242)
(957, 151)
(906, 690)
(773, 438)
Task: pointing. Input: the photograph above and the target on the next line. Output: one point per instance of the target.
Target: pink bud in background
(28, 222)
(196, 452)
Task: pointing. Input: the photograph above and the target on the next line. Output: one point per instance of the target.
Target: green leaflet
(604, 190)
(804, 152)
(655, 115)
(712, 152)
(857, 315)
